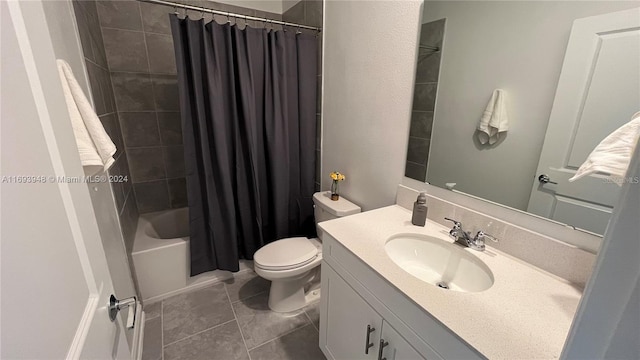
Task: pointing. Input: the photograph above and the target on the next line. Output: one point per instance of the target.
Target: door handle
(116, 305)
(383, 344)
(368, 344)
(545, 179)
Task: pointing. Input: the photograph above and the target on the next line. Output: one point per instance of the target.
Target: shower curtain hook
(228, 19)
(298, 30)
(202, 14)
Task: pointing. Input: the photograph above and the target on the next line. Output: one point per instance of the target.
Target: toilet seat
(286, 254)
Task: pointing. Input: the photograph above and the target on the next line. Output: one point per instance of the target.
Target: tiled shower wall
(104, 100)
(140, 56)
(309, 12)
(424, 100)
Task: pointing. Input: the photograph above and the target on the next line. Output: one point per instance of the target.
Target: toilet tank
(327, 209)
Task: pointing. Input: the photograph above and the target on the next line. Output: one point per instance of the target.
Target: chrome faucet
(464, 237)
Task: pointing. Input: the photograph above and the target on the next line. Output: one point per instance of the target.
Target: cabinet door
(395, 346)
(347, 318)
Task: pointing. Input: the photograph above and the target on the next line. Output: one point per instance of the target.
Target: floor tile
(152, 342)
(190, 313)
(152, 311)
(299, 344)
(313, 311)
(223, 342)
(259, 324)
(246, 284)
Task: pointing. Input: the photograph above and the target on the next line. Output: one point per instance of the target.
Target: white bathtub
(161, 256)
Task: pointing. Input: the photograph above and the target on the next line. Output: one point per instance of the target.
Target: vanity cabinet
(356, 330)
(360, 313)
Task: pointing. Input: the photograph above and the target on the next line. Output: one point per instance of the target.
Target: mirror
(566, 88)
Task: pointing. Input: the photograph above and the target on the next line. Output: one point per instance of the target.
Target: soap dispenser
(419, 216)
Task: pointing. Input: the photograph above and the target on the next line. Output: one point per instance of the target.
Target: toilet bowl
(292, 264)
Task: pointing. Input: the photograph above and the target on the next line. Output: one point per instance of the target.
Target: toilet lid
(285, 254)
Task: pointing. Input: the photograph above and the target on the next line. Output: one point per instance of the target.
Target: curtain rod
(229, 14)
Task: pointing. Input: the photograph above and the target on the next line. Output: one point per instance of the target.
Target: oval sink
(439, 263)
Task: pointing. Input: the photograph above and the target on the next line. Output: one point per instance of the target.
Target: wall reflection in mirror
(568, 72)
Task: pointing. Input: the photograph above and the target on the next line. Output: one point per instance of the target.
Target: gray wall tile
(174, 161)
(418, 151)
(93, 72)
(140, 129)
(428, 66)
(84, 32)
(421, 124)
(432, 33)
(120, 14)
(155, 18)
(146, 164)
(424, 97)
(111, 126)
(415, 171)
(170, 128)
(126, 50)
(162, 59)
(133, 92)
(177, 192)
(165, 92)
(152, 196)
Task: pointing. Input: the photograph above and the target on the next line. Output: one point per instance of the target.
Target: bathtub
(160, 256)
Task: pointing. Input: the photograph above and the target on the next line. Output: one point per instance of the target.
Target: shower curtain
(248, 108)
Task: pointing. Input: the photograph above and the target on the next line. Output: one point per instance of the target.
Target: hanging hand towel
(94, 144)
(613, 154)
(495, 119)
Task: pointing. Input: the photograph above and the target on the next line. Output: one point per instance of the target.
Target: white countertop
(526, 314)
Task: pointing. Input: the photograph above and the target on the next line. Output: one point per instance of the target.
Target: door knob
(545, 179)
(116, 305)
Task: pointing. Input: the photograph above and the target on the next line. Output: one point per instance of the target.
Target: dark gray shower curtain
(248, 107)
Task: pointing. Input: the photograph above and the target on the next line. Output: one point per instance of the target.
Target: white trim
(83, 328)
(138, 334)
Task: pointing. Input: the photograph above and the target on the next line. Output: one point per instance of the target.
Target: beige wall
(369, 61)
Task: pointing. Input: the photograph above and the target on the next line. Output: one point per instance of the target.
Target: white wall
(517, 46)
(369, 64)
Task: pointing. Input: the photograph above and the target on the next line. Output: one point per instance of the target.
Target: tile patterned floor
(229, 320)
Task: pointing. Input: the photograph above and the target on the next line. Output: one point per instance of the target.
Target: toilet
(292, 264)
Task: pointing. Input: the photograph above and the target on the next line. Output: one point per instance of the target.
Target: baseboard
(138, 334)
(195, 286)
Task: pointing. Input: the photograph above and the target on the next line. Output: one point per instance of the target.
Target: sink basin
(439, 263)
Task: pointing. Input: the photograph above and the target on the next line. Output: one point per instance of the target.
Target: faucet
(464, 237)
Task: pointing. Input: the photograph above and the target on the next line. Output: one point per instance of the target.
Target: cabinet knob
(368, 344)
(383, 344)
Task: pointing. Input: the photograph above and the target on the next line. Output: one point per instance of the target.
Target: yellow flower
(336, 176)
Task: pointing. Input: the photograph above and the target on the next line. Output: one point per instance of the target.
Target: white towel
(94, 144)
(495, 119)
(613, 155)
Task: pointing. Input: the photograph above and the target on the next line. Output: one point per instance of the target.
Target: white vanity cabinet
(355, 330)
(360, 312)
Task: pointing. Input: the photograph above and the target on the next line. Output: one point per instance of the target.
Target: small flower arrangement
(336, 177)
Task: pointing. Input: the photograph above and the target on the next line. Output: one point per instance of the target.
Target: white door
(55, 280)
(598, 91)
(395, 346)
